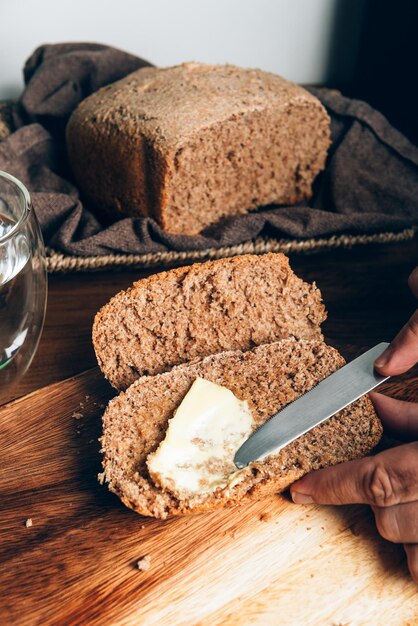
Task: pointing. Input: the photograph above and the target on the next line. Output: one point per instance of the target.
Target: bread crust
(191, 144)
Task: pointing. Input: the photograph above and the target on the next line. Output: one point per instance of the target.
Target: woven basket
(59, 262)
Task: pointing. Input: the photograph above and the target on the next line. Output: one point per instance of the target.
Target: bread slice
(191, 144)
(191, 312)
(268, 377)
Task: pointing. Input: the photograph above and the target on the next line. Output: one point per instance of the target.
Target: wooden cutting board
(271, 562)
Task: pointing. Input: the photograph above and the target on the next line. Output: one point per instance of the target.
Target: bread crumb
(142, 525)
(309, 528)
(29, 522)
(266, 517)
(101, 478)
(87, 397)
(144, 563)
(77, 416)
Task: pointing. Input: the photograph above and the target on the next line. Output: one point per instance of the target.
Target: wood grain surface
(271, 562)
(256, 564)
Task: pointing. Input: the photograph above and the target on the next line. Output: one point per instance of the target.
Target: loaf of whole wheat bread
(267, 377)
(190, 312)
(191, 144)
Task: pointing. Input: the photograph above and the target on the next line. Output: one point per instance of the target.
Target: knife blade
(318, 404)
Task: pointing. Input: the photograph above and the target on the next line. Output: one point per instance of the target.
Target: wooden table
(364, 289)
(366, 294)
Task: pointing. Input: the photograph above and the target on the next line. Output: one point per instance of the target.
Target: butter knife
(328, 397)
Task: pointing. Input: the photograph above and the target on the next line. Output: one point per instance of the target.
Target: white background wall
(290, 37)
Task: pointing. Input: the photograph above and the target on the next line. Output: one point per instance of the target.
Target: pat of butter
(197, 454)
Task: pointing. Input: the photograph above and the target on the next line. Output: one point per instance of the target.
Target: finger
(402, 354)
(413, 282)
(399, 418)
(411, 550)
(399, 523)
(387, 479)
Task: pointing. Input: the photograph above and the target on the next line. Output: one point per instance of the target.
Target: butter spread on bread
(268, 377)
(247, 324)
(197, 454)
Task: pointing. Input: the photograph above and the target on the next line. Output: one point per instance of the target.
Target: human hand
(402, 353)
(388, 482)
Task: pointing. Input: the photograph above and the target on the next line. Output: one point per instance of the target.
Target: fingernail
(383, 359)
(301, 498)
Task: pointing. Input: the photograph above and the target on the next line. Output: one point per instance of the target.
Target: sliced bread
(191, 312)
(268, 377)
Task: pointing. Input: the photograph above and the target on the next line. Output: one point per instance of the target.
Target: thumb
(387, 479)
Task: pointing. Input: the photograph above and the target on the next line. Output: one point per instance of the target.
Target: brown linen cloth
(370, 183)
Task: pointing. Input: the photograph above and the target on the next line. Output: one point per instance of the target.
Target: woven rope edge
(59, 262)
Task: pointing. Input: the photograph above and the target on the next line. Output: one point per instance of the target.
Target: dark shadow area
(374, 57)
(347, 29)
(359, 520)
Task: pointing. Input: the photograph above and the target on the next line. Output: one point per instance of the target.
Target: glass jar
(23, 281)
